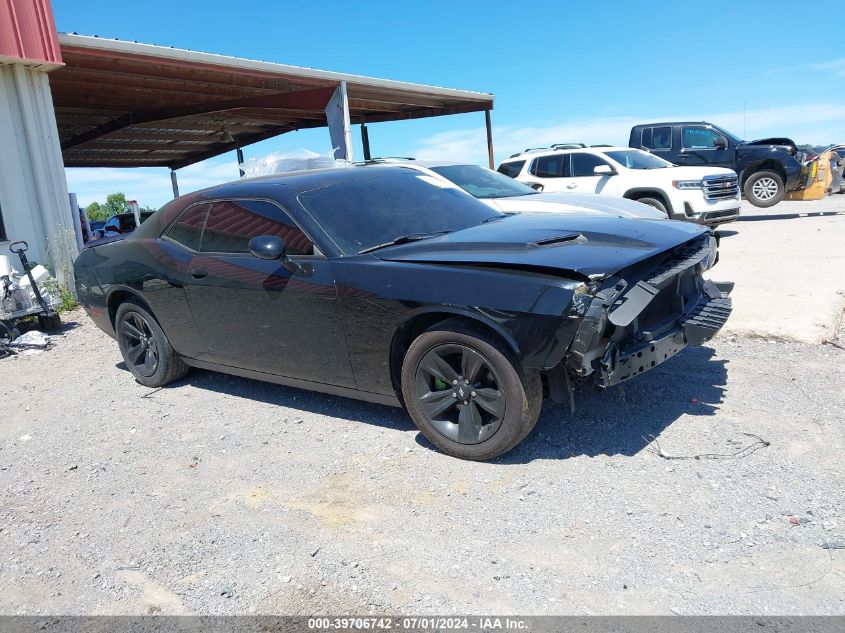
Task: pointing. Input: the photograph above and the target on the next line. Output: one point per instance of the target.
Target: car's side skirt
(308, 385)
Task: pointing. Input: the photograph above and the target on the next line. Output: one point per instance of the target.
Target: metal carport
(124, 104)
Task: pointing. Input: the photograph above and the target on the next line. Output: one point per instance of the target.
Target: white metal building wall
(33, 189)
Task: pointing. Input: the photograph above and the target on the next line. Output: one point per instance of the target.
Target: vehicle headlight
(687, 184)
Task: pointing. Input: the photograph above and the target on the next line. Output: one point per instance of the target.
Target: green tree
(95, 212)
(115, 203)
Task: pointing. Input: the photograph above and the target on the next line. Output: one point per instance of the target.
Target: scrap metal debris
(745, 451)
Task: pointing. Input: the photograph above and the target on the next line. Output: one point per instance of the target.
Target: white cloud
(835, 68)
(812, 123)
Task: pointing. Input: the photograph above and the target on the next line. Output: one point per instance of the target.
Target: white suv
(707, 195)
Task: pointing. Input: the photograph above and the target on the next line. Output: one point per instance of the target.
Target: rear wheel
(764, 189)
(145, 348)
(467, 393)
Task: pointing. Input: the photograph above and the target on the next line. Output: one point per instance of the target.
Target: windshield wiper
(404, 239)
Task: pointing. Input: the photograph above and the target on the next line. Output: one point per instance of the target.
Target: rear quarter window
(511, 169)
(187, 230)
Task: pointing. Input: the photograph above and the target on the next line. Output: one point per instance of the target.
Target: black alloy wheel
(145, 348)
(467, 392)
(137, 339)
(460, 393)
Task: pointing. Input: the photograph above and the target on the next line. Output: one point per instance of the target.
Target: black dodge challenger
(387, 285)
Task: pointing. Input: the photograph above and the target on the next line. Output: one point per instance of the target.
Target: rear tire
(764, 189)
(654, 202)
(145, 348)
(467, 392)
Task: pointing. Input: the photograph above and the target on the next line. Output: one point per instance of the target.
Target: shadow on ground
(616, 421)
(788, 216)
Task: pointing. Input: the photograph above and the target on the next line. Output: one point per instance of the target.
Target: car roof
(552, 152)
(665, 123)
(303, 180)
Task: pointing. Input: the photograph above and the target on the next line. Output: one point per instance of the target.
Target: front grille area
(720, 187)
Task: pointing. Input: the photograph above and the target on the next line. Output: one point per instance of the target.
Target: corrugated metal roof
(172, 107)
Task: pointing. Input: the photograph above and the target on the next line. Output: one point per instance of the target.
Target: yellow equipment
(818, 180)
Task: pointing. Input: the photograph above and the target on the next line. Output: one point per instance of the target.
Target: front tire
(764, 189)
(654, 202)
(145, 348)
(467, 393)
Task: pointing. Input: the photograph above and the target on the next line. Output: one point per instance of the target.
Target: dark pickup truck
(767, 168)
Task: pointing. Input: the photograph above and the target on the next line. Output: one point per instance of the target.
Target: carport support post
(489, 137)
(240, 162)
(365, 140)
(175, 183)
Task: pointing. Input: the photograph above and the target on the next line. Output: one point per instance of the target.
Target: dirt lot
(225, 495)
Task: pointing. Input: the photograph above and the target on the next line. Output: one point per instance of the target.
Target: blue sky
(560, 71)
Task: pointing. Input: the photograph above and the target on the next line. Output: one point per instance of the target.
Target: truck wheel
(764, 189)
(145, 348)
(654, 202)
(467, 393)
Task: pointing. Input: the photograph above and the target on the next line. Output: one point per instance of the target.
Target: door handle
(199, 273)
(571, 186)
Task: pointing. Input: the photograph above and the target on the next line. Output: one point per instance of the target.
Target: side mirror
(719, 143)
(603, 170)
(267, 247)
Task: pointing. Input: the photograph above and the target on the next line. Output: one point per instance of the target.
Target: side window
(554, 166)
(583, 164)
(511, 169)
(657, 137)
(187, 230)
(699, 138)
(233, 223)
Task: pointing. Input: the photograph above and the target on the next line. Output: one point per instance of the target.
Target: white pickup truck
(707, 195)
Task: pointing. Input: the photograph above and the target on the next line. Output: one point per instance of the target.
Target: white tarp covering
(294, 160)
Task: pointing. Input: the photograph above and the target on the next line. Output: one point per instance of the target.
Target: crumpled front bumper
(702, 324)
(630, 327)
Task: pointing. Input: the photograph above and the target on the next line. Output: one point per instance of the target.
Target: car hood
(592, 246)
(775, 143)
(581, 203)
(692, 173)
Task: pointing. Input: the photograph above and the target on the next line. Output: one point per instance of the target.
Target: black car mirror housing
(272, 247)
(267, 247)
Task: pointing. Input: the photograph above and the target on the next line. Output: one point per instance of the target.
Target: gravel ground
(223, 495)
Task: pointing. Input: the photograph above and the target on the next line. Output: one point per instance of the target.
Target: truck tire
(764, 189)
(654, 202)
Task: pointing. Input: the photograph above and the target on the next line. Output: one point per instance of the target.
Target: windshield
(636, 159)
(363, 213)
(732, 137)
(483, 183)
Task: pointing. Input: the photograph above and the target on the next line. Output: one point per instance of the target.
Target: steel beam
(174, 182)
(489, 138)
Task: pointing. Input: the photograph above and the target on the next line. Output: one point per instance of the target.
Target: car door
(549, 172)
(585, 180)
(701, 145)
(263, 315)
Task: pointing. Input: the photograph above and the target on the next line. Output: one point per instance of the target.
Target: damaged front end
(646, 314)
